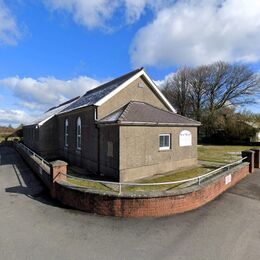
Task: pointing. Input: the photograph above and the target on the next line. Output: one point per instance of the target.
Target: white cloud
(9, 32)
(134, 9)
(161, 83)
(99, 13)
(35, 96)
(14, 117)
(200, 32)
(88, 13)
(42, 93)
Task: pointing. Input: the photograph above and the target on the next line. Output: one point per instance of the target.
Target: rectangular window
(66, 133)
(109, 149)
(79, 142)
(164, 142)
(79, 133)
(79, 137)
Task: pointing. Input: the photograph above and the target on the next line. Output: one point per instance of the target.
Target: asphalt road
(33, 226)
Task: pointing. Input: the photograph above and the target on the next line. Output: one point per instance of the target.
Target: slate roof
(52, 112)
(140, 113)
(94, 95)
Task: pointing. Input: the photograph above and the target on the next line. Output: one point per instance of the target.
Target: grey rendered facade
(121, 124)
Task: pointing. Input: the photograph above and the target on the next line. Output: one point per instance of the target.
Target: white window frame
(79, 133)
(165, 148)
(185, 142)
(66, 132)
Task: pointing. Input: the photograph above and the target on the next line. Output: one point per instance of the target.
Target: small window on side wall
(164, 142)
(66, 132)
(79, 133)
(110, 149)
(185, 138)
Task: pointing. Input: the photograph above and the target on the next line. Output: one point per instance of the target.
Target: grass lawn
(221, 153)
(2, 138)
(168, 177)
(84, 183)
(89, 184)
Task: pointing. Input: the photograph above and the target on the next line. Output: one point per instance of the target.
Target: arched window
(79, 133)
(185, 138)
(66, 132)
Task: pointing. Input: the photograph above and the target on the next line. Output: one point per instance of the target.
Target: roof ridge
(113, 80)
(125, 111)
(115, 111)
(63, 104)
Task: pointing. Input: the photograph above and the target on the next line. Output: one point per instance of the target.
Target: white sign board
(185, 138)
(228, 179)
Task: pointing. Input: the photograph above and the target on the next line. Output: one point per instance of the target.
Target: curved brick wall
(156, 206)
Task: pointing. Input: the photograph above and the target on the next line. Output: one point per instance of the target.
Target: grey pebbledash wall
(140, 155)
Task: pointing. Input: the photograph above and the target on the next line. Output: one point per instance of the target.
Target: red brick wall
(144, 207)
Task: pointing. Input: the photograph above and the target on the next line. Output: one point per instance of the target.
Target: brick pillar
(58, 169)
(257, 157)
(249, 158)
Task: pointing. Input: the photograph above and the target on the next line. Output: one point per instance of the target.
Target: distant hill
(6, 131)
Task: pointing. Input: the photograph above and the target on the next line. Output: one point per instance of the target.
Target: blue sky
(52, 50)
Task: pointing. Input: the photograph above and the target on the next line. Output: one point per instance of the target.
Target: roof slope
(96, 94)
(142, 113)
(52, 112)
(100, 95)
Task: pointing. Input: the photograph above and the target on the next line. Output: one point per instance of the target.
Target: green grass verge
(89, 184)
(168, 177)
(221, 153)
(2, 138)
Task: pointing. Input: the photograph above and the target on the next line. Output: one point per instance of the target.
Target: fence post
(59, 170)
(120, 188)
(249, 154)
(257, 157)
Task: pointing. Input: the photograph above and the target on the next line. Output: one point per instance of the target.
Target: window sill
(164, 149)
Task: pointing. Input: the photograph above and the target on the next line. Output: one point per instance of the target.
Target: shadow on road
(249, 187)
(15, 170)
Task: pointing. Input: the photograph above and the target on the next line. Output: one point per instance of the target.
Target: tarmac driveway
(33, 226)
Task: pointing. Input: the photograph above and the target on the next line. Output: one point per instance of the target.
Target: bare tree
(230, 85)
(211, 87)
(198, 90)
(177, 91)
